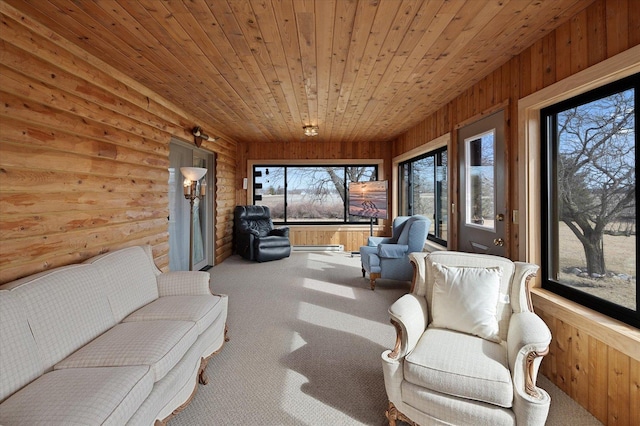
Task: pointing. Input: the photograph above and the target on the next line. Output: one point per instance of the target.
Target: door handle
(498, 242)
(500, 217)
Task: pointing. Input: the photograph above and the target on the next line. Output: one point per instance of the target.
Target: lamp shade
(193, 173)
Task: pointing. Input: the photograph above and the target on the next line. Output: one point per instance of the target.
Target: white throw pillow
(465, 299)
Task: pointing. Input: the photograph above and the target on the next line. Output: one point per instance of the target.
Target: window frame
(375, 163)
(436, 153)
(548, 156)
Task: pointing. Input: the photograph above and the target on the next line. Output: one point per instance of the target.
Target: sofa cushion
(66, 308)
(19, 362)
(180, 381)
(184, 283)
(202, 310)
(130, 279)
(461, 365)
(157, 344)
(80, 396)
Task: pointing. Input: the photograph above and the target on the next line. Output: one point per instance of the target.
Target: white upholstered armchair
(469, 344)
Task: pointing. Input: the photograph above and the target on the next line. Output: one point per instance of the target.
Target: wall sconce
(199, 136)
(310, 130)
(193, 191)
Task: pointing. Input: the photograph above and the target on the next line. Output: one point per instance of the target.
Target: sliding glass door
(181, 155)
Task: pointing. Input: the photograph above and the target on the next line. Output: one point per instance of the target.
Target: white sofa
(112, 341)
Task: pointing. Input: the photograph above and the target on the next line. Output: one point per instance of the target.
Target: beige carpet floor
(306, 337)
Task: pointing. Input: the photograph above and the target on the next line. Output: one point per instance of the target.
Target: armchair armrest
(419, 284)
(409, 316)
(374, 241)
(527, 343)
(183, 283)
(521, 300)
(393, 251)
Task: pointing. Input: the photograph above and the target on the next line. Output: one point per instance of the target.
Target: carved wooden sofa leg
(202, 379)
(164, 421)
(393, 415)
(202, 374)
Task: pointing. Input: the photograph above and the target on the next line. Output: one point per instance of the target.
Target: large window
(589, 194)
(423, 190)
(309, 194)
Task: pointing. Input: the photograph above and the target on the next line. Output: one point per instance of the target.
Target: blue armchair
(385, 257)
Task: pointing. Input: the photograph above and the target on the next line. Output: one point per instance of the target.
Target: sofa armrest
(409, 317)
(183, 283)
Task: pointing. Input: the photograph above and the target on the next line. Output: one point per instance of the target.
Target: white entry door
(483, 200)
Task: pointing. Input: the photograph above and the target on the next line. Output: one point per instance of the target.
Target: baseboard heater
(325, 247)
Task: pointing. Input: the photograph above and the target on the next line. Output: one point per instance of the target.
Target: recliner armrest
(409, 314)
(183, 283)
(280, 232)
(393, 251)
(245, 229)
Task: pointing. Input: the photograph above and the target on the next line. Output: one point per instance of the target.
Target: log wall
(593, 368)
(84, 153)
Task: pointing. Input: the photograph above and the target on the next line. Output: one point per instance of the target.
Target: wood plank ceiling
(258, 70)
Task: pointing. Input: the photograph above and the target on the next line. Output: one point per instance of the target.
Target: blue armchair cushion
(404, 235)
(393, 251)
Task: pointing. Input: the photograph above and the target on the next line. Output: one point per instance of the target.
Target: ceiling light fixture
(310, 130)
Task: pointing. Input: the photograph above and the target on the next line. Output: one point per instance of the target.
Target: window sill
(616, 334)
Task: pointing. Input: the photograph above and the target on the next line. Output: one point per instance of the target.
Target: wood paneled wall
(599, 376)
(603, 378)
(308, 149)
(84, 153)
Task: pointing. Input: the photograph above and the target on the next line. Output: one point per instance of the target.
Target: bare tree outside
(595, 185)
(310, 193)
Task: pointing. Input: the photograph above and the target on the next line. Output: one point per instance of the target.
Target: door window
(480, 180)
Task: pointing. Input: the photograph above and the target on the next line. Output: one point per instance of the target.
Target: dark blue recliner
(255, 238)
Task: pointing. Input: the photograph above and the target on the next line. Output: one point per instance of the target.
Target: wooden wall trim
(439, 142)
(491, 110)
(615, 334)
(612, 69)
